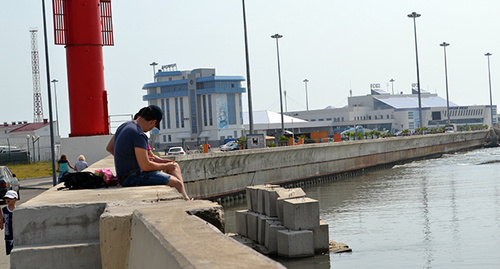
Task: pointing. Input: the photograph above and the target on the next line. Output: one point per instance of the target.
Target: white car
(176, 151)
(231, 145)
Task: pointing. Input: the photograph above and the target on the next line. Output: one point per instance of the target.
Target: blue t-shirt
(128, 137)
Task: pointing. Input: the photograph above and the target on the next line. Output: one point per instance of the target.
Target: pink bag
(108, 176)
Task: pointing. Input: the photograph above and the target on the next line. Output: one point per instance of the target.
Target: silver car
(8, 181)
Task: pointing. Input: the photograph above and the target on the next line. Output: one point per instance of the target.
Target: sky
(337, 45)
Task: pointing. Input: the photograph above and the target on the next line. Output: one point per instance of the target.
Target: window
(204, 101)
(167, 102)
(169, 138)
(177, 113)
(182, 111)
(210, 116)
(231, 108)
(163, 110)
(192, 111)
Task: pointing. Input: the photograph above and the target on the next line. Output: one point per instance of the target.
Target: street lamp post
(47, 72)
(392, 82)
(153, 64)
(278, 36)
(307, 101)
(415, 15)
(28, 145)
(55, 97)
(444, 45)
(249, 92)
(489, 79)
(35, 139)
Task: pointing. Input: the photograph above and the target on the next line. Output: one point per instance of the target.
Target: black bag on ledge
(82, 180)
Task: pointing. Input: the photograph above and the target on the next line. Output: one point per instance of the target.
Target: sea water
(434, 213)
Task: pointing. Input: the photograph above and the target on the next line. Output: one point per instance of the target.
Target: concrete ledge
(185, 241)
(57, 256)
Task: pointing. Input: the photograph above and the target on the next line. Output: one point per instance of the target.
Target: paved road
(30, 188)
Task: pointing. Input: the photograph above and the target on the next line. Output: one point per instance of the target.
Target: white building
(199, 107)
(32, 137)
(395, 112)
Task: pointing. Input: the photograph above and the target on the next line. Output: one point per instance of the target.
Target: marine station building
(199, 107)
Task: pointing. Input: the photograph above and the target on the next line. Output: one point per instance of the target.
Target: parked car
(231, 145)
(176, 151)
(8, 181)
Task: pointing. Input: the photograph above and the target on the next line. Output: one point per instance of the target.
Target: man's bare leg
(178, 184)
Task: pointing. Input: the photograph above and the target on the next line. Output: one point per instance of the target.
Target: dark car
(8, 181)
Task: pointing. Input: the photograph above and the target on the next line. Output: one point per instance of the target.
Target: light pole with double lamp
(278, 36)
(153, 64)
(307, 100)
(489, 79)
(444, 45)
(415, 15)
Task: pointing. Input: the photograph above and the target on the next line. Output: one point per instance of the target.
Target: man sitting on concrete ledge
(133, 166)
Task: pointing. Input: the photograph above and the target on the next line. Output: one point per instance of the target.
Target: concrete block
(294, 244)
(261, 197)
(252, 225)
(241, 222)
(249, 195)
(270, 197)
(253, 194)
(321, 237)
(114, 229)
(301, 213)
(271, 242)
(261, 229)
(57, 224)
(77, 255)
(287, 194)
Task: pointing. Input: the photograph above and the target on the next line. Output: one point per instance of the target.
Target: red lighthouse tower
(84, 26)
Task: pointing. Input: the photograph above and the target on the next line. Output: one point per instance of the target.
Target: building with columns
(199, 107)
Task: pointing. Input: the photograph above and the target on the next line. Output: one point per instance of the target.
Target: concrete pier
(220, 174)
(152, 227)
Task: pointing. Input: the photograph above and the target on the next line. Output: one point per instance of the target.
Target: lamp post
(392, 82)
(415, 15)
(307, 101)
(153, 64)
(249, 92)
(47, 72)
(489, 79)
(28, 145)
(55, 97)
(444, 45)
(35, 139)
(278, 36)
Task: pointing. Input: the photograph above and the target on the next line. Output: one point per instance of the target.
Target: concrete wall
(137, 227)
(92, 147)
(222, 173)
